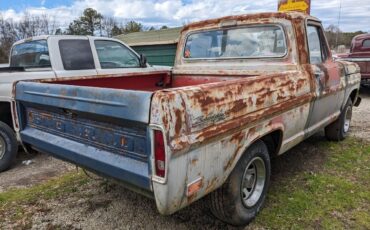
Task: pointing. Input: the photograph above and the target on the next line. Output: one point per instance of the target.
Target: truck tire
(8, 147)
(240, 198)
(338, 130)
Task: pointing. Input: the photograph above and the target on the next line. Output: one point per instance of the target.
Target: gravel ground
(41, 168)
(109, 206)
(361, 116)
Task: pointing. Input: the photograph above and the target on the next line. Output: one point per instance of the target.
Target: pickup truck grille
(113, 138)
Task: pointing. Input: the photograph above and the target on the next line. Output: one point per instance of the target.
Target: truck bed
(101, 124)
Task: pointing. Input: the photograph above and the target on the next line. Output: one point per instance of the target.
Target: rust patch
(238, 106)
(261, 17)
(237, 137)
(232, 159)
(179, 121)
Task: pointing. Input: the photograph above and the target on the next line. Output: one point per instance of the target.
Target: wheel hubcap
(2, 147)
(253, 182)
(347, 119)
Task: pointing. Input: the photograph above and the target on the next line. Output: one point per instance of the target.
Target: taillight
(159, 154)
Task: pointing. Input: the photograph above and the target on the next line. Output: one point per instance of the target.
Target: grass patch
(67, 183)
(18, 205)
(336, 197)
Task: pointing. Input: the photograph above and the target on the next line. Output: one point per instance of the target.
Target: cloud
(354, 15)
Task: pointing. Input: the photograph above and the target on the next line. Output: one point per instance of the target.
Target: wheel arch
(273, 140)
(6, 114)
(354, 96)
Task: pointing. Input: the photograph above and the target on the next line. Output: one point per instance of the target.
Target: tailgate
(104, 130)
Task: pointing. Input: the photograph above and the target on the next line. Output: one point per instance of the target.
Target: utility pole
(339, 16)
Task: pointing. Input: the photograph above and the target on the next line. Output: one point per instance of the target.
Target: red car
(360, 53)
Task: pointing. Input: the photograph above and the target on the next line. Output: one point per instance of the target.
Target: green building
(159, 46)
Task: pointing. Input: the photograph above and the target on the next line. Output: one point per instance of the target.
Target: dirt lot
(97, 204)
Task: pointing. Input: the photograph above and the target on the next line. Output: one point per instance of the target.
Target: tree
(133, 26)
(29, 26)
(87, 24)
(116, 30)
(58, 31)
(332, 34)
(164, 27)
(336, 37)
(111, 27)
(8, 35)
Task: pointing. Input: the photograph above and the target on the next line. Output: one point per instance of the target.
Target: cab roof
(361, 37)
(263, 17)
(46, 37)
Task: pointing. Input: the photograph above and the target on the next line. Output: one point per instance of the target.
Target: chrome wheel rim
(253, 182)
(2, 147)
(347, 119)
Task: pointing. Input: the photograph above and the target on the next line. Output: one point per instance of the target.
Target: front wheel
(338, 130)
(240, 199)
(8, 147)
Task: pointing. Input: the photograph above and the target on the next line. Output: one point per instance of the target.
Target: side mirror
(143, 61)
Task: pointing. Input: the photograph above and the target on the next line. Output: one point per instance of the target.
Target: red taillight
(159, 154)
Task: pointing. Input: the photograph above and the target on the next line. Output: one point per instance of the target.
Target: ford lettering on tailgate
(112, 138)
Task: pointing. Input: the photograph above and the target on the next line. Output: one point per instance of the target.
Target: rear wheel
(338, 130)
(8, 147)
(240, 199)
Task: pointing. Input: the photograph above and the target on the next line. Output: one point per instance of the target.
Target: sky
(355, 14)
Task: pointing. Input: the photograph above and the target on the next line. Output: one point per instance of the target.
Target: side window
(366, 44)
(314, 45)
(33, 54)
(76, 54)
(115, 55)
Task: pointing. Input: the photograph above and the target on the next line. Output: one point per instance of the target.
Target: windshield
(246, 42)
(112, 54)
(31, 54)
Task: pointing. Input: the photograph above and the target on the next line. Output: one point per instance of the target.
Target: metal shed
(159, 46)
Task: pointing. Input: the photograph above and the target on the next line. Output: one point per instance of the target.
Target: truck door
(326, 76)
(72, 56)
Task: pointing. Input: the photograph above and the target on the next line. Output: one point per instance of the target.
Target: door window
(115, 55)
(314, 45)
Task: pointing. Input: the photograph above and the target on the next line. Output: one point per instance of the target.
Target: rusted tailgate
(105, 130)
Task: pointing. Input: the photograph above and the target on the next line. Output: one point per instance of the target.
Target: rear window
(32, 54)
(366, 44)
(246, 42)
(76, 54)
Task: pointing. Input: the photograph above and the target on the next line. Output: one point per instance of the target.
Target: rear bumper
(121, 168)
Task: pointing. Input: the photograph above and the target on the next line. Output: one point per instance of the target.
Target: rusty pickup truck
(360, 54)
(244, 89)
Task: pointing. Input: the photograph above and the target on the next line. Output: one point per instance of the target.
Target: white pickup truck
(48, 57)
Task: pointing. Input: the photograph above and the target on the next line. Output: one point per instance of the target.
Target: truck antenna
(339, 16)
